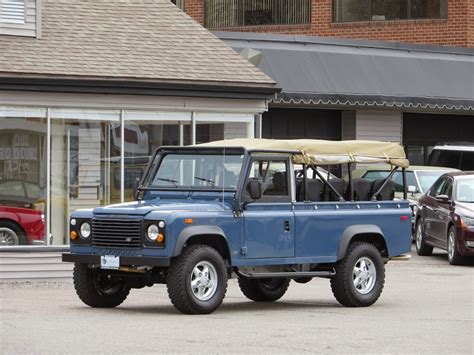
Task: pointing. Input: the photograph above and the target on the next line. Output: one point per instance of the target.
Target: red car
(20, 222)
(19, 226)
(445, 217)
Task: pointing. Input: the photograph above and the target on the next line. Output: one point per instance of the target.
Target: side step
(285, 274)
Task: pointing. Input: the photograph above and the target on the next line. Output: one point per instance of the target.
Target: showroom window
(54, 161)
(381, 10)
(237, 13)
(23, 176)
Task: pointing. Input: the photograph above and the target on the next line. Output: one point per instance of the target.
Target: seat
(339, 185)
(315, 189)
(362, 189)
(387, 193)
(278, 185)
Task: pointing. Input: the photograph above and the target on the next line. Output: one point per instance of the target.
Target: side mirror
(442, 198)
(136, 183)
(412, 189)
(255, 189)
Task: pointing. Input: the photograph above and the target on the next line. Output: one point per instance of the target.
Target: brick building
(434, 22)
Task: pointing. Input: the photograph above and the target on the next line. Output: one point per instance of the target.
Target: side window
(374, 175)
(274, 178)
(467, 162)
(435, 190)
(447, 188)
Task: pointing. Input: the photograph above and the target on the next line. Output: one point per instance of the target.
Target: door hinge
(243, 251)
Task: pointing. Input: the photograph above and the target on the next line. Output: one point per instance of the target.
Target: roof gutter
(134, 86)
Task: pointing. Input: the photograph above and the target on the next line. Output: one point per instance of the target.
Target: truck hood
(142, 208)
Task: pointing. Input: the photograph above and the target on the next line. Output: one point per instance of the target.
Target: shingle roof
(148, 40)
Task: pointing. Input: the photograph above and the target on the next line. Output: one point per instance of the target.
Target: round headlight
(161, 224)
(85, 230)
(152, 232)
(73, 222)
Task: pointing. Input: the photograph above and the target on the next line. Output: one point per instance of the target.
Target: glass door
(83, 151)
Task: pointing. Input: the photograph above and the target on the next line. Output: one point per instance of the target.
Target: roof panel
(324, 71)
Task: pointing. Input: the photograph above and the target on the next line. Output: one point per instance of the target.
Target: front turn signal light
(160, 238)
(73, 235)
(188, 221)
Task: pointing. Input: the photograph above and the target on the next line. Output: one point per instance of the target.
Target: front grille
(117, 233)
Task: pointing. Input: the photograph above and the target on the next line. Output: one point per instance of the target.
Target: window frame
(240, 13)
(408, 11)
(269, 198)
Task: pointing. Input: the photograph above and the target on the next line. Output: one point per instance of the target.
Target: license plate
(109, 262)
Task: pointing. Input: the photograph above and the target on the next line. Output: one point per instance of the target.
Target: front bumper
(124, 260)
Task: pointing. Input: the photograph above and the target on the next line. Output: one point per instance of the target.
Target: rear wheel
(360, 276)
(97, 288)
(264, 290)
(197, 280)
(454, 257)
(422, 248)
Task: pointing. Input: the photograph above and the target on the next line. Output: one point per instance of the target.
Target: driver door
(269, 221)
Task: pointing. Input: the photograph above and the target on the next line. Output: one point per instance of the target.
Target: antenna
(223, 177)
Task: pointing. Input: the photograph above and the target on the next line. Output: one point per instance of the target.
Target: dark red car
(445, 217)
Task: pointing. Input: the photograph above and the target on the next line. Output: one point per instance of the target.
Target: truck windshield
(198, 171)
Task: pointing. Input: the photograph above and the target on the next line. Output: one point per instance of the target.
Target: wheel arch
(16, 223)
(362, 233)
(212, 236)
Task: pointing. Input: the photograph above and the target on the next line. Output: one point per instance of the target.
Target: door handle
(286, 226)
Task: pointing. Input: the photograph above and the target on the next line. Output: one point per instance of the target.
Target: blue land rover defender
(259, 210)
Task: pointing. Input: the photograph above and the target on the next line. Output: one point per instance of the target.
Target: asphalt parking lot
(427, 306)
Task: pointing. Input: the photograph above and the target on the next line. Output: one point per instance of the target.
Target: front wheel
(97, 288)
(264, 290)
(422, 248)
(360, 276)
(197, 280)
(454, 257)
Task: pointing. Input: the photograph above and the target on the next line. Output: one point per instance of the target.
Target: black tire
(358, 255)
(97, 288)
(12, 234)
(454, 257)
(182, 274)
(264, 290)
(422, 248)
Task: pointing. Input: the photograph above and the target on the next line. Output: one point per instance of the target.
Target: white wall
(379, 125)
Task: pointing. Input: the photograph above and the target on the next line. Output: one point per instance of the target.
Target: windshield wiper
(211, 182)
(174, 182)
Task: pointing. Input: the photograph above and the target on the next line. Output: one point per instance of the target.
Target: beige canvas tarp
(322, 152)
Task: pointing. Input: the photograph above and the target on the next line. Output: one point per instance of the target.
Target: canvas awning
(323, 152)
(360, 73)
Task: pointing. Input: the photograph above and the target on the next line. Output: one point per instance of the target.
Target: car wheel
(11, 234)
(197, 280)
(360, 276)
(264, 290)
(97, 288)
(421, 247)
(454, 257)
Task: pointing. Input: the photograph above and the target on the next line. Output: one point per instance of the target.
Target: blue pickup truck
(259, 210)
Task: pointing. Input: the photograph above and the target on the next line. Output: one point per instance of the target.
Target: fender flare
(351, 231)
(192, 231)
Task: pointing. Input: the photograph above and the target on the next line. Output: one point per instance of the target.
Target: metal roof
(327, 71)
